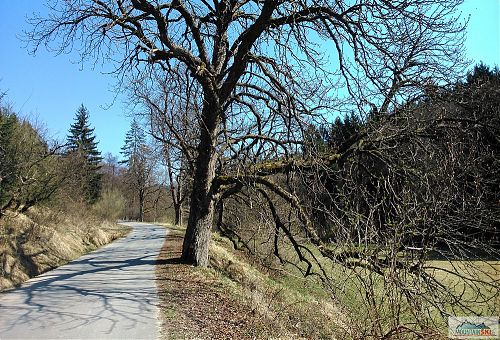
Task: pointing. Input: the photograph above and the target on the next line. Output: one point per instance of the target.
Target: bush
(111, 205)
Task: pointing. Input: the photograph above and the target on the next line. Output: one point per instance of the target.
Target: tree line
(73, 174)
(28, 173)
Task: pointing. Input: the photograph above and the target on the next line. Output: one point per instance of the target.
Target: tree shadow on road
(114, 284)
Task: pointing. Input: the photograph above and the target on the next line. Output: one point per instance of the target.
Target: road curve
(107, 294)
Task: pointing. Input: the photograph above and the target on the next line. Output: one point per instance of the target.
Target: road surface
(107, 294)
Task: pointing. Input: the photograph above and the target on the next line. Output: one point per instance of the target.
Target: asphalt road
(107, 294)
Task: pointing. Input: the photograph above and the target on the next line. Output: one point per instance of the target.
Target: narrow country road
(107, 294)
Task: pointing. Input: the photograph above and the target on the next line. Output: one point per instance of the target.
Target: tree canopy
(238, 87)
(81, 138)
(139, 159)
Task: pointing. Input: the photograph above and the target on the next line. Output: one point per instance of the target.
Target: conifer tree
(82, 146)
(134, 142)
(137, 157)
(263, 70)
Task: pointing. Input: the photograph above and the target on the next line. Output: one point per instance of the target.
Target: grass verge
(237, 298)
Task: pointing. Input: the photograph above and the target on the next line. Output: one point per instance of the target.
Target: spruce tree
(136, 156)
(134, 142)
(81, 145)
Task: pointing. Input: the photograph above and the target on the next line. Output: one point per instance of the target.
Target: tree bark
(201, 212)
(178, 213)
(141, 205)
(175, 191)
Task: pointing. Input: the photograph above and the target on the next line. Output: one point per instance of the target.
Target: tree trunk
(179, 200)
(201, 209)
(201, 213)
(141, 205)
(178, 213)
(175, 192)
(198, 233)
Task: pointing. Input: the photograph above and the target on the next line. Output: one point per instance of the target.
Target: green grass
(477, 282)
(291, 305)
(388, 306)
(288, 305)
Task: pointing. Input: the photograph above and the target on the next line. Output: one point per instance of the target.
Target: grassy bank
(42, 239)
(237, 297)
(244, 296)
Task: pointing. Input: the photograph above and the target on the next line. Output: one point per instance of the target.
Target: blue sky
(49, 88)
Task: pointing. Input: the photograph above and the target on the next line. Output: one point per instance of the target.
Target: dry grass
(194, 300)
(293, 305)
(40, 240)
(236, 298)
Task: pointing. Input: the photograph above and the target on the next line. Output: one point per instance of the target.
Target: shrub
(111, 205)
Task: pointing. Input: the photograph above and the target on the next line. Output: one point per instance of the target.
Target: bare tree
(171, 105)
(177, 182)
(262, 72)
(406, 209)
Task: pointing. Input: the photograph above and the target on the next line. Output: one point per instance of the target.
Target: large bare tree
(266, 70)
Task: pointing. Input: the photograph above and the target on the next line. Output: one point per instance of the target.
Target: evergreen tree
(82, 139)
(137, 156)
(315, 139)
(82, 146)
(343, 129)
(483, 74)
(135, 140)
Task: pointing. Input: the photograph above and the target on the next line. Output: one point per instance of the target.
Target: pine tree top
(135, 139)
(81, 138)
